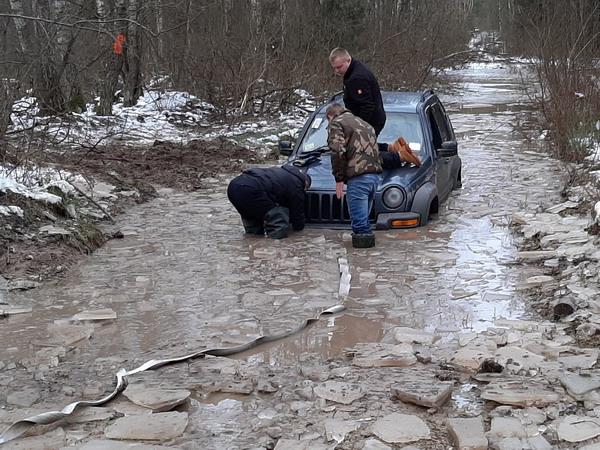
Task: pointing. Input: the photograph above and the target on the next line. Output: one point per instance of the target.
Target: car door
(441, 131)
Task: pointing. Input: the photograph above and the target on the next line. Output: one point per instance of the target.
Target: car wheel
(458, 182)
(433, 211)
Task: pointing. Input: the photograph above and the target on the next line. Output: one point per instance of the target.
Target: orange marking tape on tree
(118, 46)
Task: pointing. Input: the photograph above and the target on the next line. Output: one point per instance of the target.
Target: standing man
(361, 89)
(270, 199)
(355, 162)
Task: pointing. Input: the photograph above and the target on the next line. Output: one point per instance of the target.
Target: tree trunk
(133, 56)
(113, 63)
(49, 84)
(20, 25)
(160, 26)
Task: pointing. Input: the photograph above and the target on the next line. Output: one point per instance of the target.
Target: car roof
(393, 101)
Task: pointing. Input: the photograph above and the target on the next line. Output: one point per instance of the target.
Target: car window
(404, 125)
(397, 125)
(442, 124)
(447, 122)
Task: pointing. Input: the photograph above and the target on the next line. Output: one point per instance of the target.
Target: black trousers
(249, 198)
(259, 213)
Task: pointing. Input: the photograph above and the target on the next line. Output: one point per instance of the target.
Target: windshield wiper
(317, 151)
(306, 159)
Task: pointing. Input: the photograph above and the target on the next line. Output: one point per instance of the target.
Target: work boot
(277, 222)
(253, 226)
(363, 240)
(401, 147)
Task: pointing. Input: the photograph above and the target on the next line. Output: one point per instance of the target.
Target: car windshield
(397, 125)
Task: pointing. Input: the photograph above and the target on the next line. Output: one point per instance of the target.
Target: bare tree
(133, 55)
(563, 39)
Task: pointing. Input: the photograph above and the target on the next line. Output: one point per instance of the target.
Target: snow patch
(8, 210)
(36, 194)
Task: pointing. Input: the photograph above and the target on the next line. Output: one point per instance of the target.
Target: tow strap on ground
(21, 426)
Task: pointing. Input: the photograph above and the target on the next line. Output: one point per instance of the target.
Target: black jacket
(362, 95)
(284, 186)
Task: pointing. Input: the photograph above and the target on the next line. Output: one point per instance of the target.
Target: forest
(250, 56)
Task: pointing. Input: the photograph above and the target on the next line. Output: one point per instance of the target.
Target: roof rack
(426, 93)
(336, 96)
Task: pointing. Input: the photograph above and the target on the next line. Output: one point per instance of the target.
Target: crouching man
(355, 162)
(270, 199)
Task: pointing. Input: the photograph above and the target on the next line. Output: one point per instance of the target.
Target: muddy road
(184, 278)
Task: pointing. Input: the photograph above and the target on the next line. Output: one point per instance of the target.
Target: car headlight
(393, 197)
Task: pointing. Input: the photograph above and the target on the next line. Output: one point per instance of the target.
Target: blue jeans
(360, 192)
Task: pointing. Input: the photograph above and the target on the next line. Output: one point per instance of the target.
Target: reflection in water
(327, 337)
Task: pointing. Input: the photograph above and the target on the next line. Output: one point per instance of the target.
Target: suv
(407, 196)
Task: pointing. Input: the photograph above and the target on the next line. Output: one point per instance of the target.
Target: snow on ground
(6, 184)
(7, 210)
(159, 115)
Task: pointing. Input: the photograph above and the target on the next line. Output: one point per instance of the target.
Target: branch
(77, 24)
(92, 201)
(400, 33)
(581, 33)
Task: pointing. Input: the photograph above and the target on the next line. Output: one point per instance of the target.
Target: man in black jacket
(270, 199)
(361, 89)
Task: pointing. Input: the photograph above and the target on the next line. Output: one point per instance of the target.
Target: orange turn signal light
(405, 223)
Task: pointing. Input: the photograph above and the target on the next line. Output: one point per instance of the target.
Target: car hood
(322, 178)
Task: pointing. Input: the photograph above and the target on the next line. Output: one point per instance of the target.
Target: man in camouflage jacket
(355, 162)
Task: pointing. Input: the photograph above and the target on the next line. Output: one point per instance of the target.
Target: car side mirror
(285, 148)
(449, 148)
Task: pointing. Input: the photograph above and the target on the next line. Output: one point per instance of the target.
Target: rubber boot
(277, 222)
(253, 226)
(363, 240)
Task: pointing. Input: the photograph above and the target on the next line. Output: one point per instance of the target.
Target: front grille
(327, 208)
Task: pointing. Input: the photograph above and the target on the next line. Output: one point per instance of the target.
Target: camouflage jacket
(354, 149)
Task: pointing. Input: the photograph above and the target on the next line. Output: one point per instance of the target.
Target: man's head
(333, 111)
(340, 60)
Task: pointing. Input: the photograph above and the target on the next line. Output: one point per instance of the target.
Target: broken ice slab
(562, 206)
(383, 355)
(158, 427)
(520, 393)
(401, 428)
(537, 254)
(578, 428)
(100, 314)
(336, 430)
(157, 399)
(430, 393)
(12, 310)
(340, 392)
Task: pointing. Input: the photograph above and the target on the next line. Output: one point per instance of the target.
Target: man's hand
(339, 189)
